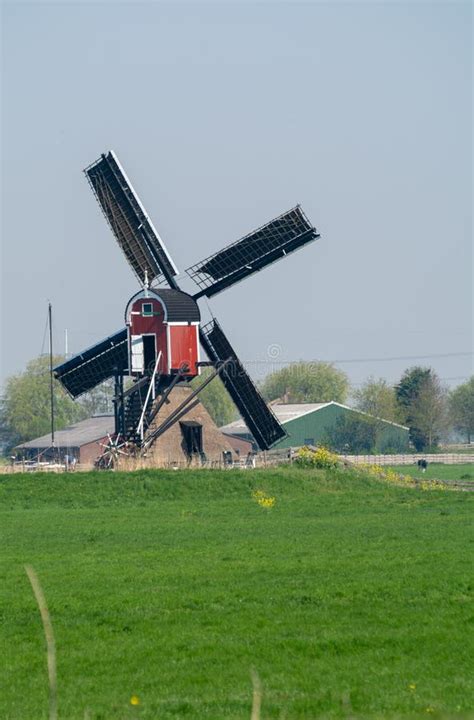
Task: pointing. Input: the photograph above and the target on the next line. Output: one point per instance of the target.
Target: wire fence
(411, 459)
(259, 460)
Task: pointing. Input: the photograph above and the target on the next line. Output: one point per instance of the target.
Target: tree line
(419, 400)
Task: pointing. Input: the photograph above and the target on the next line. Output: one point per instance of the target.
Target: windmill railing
(151, 391)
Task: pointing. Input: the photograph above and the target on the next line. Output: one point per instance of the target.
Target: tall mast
(51, 371)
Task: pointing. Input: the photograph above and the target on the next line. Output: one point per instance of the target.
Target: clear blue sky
(225, 115)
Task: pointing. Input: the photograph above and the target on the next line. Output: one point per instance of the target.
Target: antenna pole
(51, 389)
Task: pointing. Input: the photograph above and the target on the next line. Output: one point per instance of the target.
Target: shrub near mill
(321, 458)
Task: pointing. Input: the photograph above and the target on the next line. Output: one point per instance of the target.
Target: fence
(276, 457)
(444, 458)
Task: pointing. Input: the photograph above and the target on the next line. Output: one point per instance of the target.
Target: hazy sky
(225, 115)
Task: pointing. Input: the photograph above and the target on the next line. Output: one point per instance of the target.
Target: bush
(321, 458)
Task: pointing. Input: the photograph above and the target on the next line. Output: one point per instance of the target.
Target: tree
(307, 382)
(461, 408)
(25, 404)
(352, 433)
(429, 411)
(422, 400)
(216, 399)
(377, 398)
(406, 393)
(99, 400)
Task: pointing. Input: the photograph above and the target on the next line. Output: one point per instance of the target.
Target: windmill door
(192, 437)
(137, 353)
(149, 352)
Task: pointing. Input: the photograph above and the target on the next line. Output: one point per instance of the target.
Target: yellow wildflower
(134, 700)
(320, 458)
(263, 499)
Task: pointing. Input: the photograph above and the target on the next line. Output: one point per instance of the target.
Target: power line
(406, 357)
(340, 361)
(394, 382)
(362, 360)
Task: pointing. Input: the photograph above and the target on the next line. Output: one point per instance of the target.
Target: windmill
(159, 346)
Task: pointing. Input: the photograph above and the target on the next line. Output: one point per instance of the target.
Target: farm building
(310, 423)
(80, 441)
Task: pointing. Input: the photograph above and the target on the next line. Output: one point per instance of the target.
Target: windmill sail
(252, 253)
(260, 420)
(96, 364)
(133, 229)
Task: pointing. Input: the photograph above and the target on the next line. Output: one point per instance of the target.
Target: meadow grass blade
(257, 697)
(49, 635)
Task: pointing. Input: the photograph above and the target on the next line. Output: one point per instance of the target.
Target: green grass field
(437, 471)
(350, 598)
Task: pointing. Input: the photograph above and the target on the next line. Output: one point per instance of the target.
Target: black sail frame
(96, 364)
(252, 253)
(129, 221)
(258, 417)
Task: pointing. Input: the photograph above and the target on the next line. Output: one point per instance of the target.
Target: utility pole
(51, 372)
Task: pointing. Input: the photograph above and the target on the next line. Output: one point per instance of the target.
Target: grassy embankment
(349, 597)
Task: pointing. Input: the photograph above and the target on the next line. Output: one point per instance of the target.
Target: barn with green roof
(311, 424)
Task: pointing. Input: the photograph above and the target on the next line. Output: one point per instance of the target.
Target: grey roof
(180, 306)
(290, 411)
(83, 432)
(286, 412)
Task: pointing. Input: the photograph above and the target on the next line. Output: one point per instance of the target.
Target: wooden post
(51, 388)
